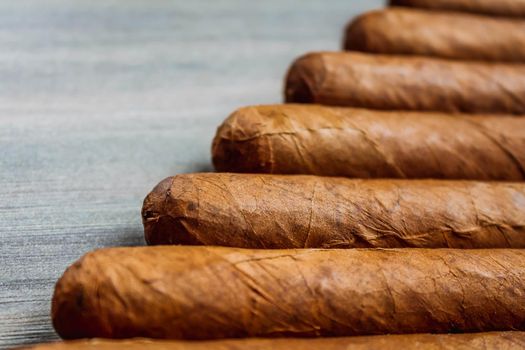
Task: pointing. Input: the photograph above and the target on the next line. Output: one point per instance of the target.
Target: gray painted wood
(100, 100)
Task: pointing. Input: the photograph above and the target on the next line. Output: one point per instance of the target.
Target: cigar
(510, 8)
(329, 141)
(491, 340)
(406, 83)
(213, 292)
(403, 31)
(294, 211)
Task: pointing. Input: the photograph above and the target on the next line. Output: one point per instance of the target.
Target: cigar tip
(398, 3)
(304, 78)
(72, 313)
(362, 30)
(238, 145)
(152, 204)
(223, 149)
(168, 211)
(153, 208)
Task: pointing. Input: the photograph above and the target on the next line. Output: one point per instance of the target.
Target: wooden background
(100, 100)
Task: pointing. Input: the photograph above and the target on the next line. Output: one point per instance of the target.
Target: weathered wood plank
(101, 100)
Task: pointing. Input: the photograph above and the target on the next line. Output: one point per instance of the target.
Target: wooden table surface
(100, 100)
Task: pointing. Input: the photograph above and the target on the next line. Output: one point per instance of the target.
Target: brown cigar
(510, 8)
(492, 340)
(311, 139)
(441, 34)
(406, 83)
(293, 211)
(214, 292)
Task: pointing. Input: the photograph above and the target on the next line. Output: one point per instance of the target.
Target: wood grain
(101, 100)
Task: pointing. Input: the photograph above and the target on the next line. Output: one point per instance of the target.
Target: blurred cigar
(510, 8)
(448, 35)
(406, 83)
(492, 340)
